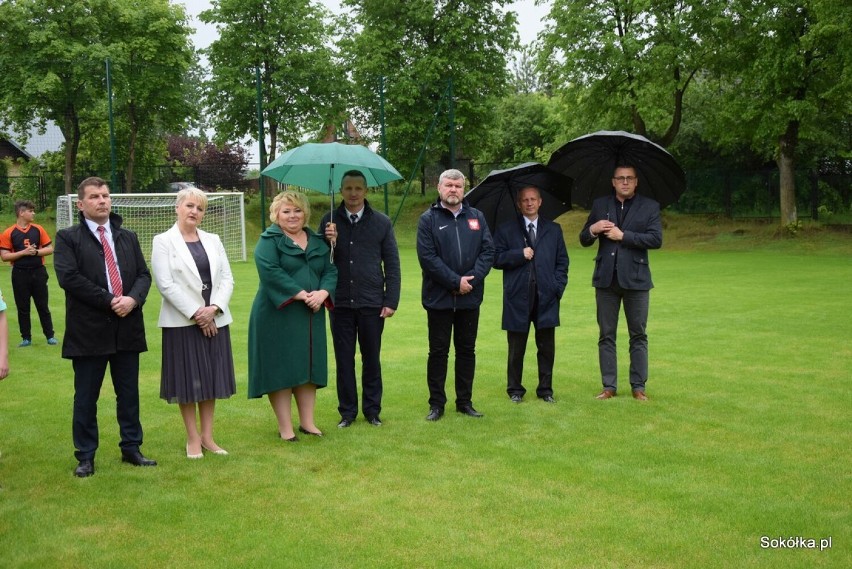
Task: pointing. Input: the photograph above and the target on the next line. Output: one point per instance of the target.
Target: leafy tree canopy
(300, 79)
(416, 47)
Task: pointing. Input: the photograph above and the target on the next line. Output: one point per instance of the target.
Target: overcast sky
(529, 19)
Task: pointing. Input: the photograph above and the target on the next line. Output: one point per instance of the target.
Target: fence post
(814, 178)
(261, 141)
(112, 157)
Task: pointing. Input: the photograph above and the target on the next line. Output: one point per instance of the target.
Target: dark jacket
(550, 263)
(642, 229)
(91, 327)
(449, 248)
(367, 260)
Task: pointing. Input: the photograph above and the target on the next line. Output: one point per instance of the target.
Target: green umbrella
(320, 166)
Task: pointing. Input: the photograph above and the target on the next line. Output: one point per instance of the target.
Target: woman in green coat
(287, 344)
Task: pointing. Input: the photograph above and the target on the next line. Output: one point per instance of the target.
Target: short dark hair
(625, 164)
(93, 181)
(354, 174)
(23, 205)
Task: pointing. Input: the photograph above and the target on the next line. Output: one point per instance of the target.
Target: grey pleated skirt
(196, 368)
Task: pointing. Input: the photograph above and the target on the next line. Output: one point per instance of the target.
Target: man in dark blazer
(626, 225)
(532, 254)
(368, 288)
(101, 268)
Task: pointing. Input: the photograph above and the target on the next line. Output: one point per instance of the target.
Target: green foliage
(624, 64)
(417, 47)
(526, 125)
(301, 82)
(782, 87)
(53, 58)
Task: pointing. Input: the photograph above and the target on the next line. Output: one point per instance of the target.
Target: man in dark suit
(626, 225)
(368, 288)
(532, 254)
(101, 268)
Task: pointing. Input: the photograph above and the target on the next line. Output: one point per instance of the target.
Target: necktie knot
(353, 218)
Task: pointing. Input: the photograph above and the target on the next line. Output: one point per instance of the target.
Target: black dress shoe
(515, 398)
(137, 459)
(469, 411)
(303, 430)
(548, 399)
(345, 422)
(435, 413)
(375, 421)
(85, 468)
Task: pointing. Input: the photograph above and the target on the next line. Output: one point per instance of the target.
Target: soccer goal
(150, 214)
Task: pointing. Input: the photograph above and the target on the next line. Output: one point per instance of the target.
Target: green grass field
(743, 438)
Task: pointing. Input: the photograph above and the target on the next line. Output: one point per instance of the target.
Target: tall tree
(417, 46)
(629, 62)
(53, 65)
(300, 81)
(151, 55)
(786, 81)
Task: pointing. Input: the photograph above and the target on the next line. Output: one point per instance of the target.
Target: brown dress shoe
(605, 394)
(640, 395)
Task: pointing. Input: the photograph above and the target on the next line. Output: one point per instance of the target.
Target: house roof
(37, 143)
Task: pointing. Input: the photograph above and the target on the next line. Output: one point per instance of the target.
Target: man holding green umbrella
(368, 288)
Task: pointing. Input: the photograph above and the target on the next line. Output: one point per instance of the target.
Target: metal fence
(734, 194)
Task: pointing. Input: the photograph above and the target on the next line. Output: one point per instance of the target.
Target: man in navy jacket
(626, 225)
(532, 254)
(368, 288)
(456, 252)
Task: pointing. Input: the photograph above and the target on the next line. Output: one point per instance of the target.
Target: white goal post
(150, 214)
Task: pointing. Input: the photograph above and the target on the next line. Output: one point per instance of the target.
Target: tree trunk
(71, 131)
(787, 172)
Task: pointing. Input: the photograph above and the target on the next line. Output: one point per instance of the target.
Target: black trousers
(461, 326)
(364, 325)
(89, 374)
(546, 351)
(32, 284)
(609, 302)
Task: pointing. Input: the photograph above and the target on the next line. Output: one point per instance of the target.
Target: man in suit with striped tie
(100, 266)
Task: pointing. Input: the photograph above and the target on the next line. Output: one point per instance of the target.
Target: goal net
(150, 214)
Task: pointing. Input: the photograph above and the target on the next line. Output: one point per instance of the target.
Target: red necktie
(112, 268)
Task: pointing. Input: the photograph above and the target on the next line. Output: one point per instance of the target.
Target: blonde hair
(194, 193)
(291, 198)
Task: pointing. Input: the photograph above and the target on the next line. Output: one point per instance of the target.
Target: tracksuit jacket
(448, 248)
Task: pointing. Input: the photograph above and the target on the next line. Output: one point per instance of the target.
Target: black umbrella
(496, 195)
(591, 160)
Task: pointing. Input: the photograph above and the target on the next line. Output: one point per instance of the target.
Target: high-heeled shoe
(193, 456)
(307, 432)
(220, 451)
(292, 439)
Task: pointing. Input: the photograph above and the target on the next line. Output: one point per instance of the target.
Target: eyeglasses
(624, 178)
